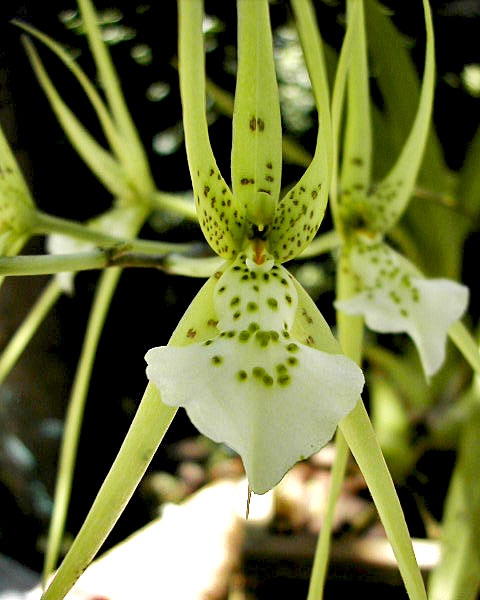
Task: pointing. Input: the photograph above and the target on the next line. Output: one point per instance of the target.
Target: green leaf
(469, 182)
(221, 216)
(257, 128)
(137, 165)
(98, 160)
(300, 213)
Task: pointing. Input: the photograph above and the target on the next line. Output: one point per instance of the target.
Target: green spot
(281, 369)
(268, 380)
(283, 379)
(242, 376)
(234, 301)
(283, 281)
(244, 335)
(404, 312)
(262, 337)
(292, 361)
(208, 342)
(274, 335)
(253, 327)
(292, 348)
(285, 334)
(266, 276)
(258, 372)
(222, 289)
(231, 334)
(288, 299)
(252, 306)
(236, 315)
(245, 277)
(217, 360)
(272, 303)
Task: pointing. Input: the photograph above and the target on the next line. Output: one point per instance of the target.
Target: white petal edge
(271, 426)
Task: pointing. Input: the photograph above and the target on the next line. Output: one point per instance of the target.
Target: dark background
(147, 305)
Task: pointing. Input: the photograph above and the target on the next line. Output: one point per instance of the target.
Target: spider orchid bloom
(259, 369)
(390, 293)
(17, 210)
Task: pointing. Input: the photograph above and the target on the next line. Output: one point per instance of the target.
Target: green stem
(27, 329)
(48, 224)
(143, 438)
(350, 331)
(74, 417)
(465, 342)
(174, 204)
(322, 551)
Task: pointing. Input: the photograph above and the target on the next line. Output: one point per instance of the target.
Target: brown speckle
(261, 124)
(191, 333)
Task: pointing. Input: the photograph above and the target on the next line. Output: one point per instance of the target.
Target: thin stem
(322, 551)
(350, 331)
(74, 417)
(465, 342)
(104, 258)
(47, 224)
(174, 204)
(27, 329)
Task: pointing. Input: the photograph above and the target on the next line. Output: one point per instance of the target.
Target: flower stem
(74, 418)
(174, 204)
(465, 342)
(350, 331)
(48, 224)
(27, 329)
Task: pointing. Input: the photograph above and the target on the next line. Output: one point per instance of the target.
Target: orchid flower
(251, 375)
(389, 291)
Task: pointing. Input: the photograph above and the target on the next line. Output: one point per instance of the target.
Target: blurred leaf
(458, 573)
(469, 182)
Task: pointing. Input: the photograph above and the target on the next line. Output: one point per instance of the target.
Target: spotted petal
(394, 297)
(221, 217)
(253, 386)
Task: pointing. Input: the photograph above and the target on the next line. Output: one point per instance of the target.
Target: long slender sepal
(357, 159)
(390, 198)
(108, 126)
(99, 161)
(74, 418)
(143, 438)
(137, 164)
(300, 213)
(257, 128)
(338, 98)
(221, 216)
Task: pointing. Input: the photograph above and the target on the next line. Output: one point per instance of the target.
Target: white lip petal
(273, 400)
(394, 299)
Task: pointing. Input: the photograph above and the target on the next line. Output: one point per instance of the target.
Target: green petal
(300, 213)
(221, 216)
(257, 129)
(137, 165)
(357, 150)
(390, 198)
(100, 162)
